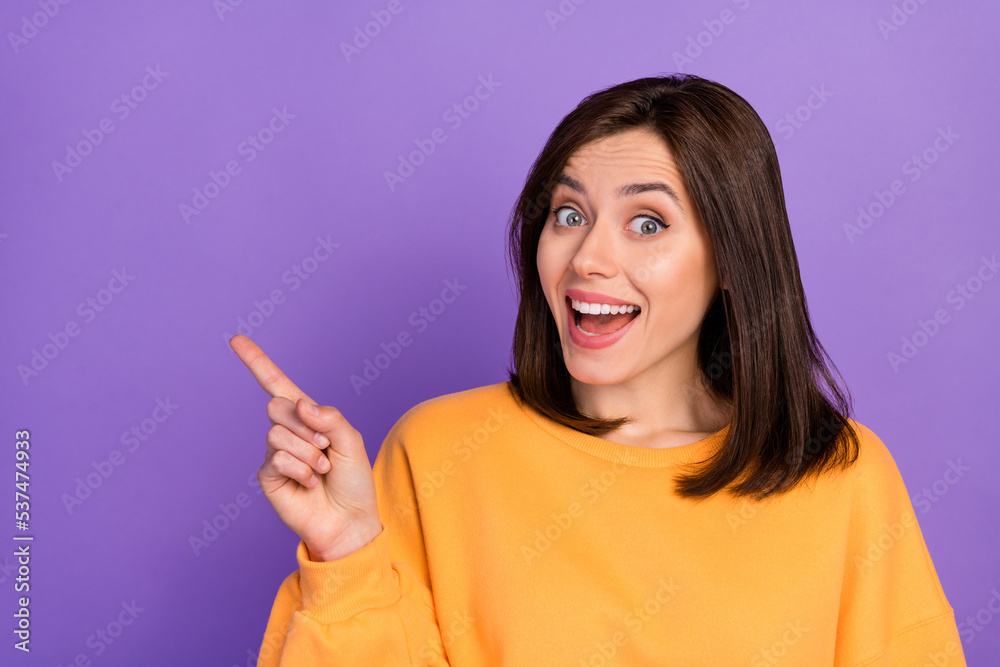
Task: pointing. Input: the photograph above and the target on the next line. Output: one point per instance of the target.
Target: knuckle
(332, 415)
(274, 378)
(283, 461)
(349, 432)
(276, 407)
(275, 435)
(278, 458)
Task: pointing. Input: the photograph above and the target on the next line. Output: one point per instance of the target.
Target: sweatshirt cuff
(334, 591)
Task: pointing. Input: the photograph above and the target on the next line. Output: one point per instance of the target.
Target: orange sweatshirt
(509, 539)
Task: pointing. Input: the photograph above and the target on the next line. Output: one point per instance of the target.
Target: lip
(594, 297)
(593, 342)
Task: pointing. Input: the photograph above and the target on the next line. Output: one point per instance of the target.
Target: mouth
(600, 319)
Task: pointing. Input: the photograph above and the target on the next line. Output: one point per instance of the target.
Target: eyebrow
(629, 190)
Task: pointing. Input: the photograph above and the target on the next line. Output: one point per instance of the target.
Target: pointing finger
(268, 375)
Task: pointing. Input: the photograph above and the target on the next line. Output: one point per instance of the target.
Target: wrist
(347, 544)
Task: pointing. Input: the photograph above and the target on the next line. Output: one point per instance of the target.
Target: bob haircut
(756, 347)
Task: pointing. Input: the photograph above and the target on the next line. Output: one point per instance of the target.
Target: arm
(363, 604)
(371, 607)
(893, 610)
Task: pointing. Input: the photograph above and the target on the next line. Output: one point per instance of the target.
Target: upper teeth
(601, 308)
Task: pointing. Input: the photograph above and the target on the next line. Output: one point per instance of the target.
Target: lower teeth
(576, 322)
(586, 333)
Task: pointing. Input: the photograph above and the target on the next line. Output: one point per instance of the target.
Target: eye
(648, 225)
(567, 216)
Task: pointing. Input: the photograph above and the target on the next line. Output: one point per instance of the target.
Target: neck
(670, 406)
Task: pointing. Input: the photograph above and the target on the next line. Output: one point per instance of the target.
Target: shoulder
(457, 415)
(458, 406)
(861, 466)
(874, 456)
(877, 480)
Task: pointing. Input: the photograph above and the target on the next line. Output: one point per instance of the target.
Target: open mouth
(601, 319)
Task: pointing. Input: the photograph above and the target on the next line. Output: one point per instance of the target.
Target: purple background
(885, 97)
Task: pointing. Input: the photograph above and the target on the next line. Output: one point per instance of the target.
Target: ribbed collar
(641, 457)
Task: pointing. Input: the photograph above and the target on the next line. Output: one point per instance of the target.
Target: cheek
(548, 263)
(678, 278)
(545, 278)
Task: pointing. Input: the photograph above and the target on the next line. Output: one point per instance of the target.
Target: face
(624, 236)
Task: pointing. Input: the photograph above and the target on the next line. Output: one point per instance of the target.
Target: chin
(595, 374)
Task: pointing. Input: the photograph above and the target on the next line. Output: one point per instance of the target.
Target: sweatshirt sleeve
(372, 607)
(893, 609)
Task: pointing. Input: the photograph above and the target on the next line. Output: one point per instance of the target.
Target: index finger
(268, 375)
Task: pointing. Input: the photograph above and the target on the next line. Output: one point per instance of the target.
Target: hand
(316, 472)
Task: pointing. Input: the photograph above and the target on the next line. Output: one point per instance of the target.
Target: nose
(595, 256)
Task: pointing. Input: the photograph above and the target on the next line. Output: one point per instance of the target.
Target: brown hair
(756, 347)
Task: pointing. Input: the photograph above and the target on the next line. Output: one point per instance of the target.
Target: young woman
(669, 476)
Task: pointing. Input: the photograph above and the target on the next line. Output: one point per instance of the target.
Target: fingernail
(313, 481)
(324, 464)
(321, 440)
(313, 410)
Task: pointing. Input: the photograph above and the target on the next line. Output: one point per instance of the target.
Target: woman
(662, 479)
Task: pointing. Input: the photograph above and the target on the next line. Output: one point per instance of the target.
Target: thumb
(328, 420)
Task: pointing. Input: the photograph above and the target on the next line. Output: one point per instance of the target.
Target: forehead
(632, 154)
